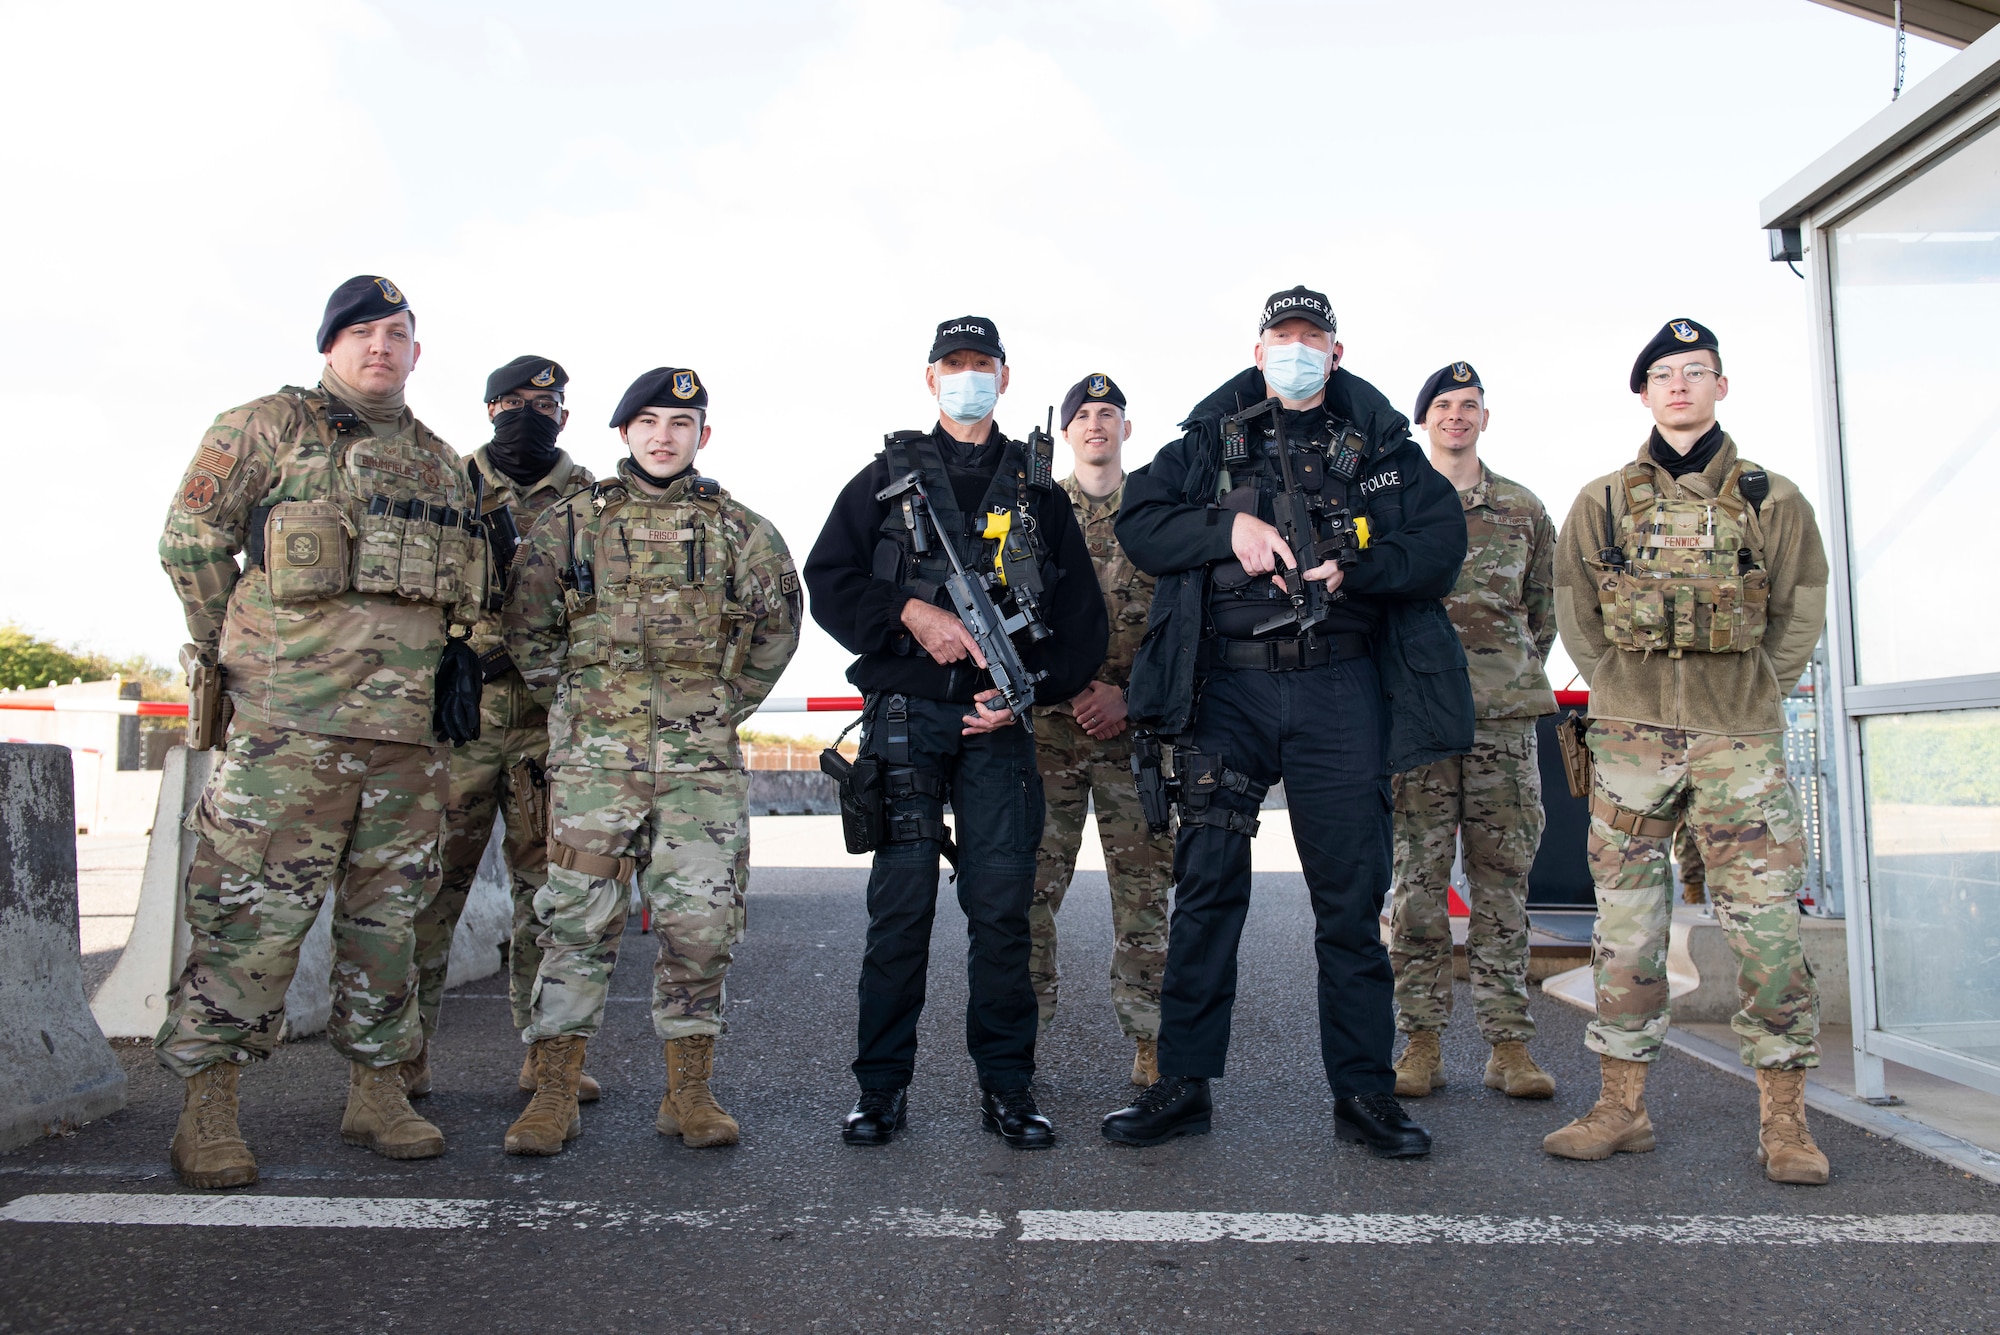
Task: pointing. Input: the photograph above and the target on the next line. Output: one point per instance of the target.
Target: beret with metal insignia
(1674, 336)
(974, 333)
(1459, 375)
(662, 387)
(1298, 303)
(360, 299)
(526, 373)
(1096, 387)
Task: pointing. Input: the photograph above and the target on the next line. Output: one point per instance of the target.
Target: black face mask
(524, 444)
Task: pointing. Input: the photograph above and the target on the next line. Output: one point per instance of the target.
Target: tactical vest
(350, 511)
(1328, 468)
(665, 597)
(1010, 494)
(1692, 579)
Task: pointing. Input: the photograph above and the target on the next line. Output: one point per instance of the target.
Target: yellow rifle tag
(998, 525)
(1361, 530)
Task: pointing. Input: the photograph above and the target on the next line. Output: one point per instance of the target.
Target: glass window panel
(1933, 786)
(1916, 303)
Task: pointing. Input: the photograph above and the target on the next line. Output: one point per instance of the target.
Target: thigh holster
(1199, 778)
(592, 864)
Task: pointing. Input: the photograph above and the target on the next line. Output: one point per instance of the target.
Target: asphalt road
(948, 1230)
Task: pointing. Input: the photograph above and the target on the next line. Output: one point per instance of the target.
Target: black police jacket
(863, 611)
(1170, 525)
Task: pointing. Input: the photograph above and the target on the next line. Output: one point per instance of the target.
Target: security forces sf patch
(546, 378)
(1097, 386)
(684, 386)
(390, 292)
(198, 495)
(1684, 331)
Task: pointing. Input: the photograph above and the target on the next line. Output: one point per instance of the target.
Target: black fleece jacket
(864, 613)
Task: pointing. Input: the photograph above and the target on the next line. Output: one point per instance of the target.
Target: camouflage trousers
(1733, 795)
(689, 829)
(511, 728)
(287, 817)
(1079, 772)
(1490, 799)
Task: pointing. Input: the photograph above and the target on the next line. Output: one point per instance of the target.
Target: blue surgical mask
(969, 395)
(1294, 370)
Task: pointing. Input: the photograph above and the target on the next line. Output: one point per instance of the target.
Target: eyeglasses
(1693, 375)
(512, 402)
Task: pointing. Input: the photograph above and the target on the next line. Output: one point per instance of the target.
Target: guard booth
(1898, 232)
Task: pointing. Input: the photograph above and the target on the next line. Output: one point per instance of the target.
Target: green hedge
(1944, 760)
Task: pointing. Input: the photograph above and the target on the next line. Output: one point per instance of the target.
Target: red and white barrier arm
(811, 704)
(777, 704)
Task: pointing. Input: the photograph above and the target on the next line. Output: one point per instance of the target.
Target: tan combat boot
(1784, 1146)
(1513, 1072)
(587, 1090)
(689, 1110)
(416, 1073)
(1146, 1062)
(550, 1120)
(1421, 1067)
(379, 1115)
(208, 1150)
(1616, 1123)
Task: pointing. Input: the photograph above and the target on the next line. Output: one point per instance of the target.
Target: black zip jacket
(864, 613)
(1171, 527)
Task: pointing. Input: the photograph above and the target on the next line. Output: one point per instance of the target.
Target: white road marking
(1146, 1226)
(1207, 1226)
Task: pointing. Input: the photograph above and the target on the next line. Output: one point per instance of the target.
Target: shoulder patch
(198, 494)
(217, 458)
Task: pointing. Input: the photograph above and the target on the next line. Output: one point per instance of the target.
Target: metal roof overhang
(1953, 22)
(1970, 75)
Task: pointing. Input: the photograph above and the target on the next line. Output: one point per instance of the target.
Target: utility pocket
(378, 555)
(463, 575)
(306, 550)
(417, 574)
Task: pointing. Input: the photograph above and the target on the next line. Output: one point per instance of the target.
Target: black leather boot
(1379, 1122)
(1173, 1105)
(1013, 1116)
(878, 1115)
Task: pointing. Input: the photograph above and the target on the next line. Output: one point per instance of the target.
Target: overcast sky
(788, 197)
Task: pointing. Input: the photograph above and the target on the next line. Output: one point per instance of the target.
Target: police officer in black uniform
(934, 723)
(1249, 681)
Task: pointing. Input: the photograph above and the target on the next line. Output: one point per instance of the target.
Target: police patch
(302, 549)
(1097, 386)
(198, 495)
(684, 386)
(1385, 480)
(545, 379)
(1461, 372)
(390, 292)
(1684, 331)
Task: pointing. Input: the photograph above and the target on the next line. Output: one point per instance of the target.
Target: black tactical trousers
(995, 792)
(1320, 729)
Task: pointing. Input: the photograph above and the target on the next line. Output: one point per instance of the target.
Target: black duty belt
(1282, 655)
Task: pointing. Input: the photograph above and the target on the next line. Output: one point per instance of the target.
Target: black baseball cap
(1298, 303)
(975, 333)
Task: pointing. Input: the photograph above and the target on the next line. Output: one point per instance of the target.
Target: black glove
(455, 694)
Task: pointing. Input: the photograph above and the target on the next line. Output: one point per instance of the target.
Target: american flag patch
(214, 459)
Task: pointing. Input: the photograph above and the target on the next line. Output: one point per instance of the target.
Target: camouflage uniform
(513, 743)
(1078, 772)
(329, 776)
(1696, 738)
(695, 616)
(1490, 798)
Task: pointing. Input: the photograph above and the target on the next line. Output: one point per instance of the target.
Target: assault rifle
(1310, 603)
(972, 599)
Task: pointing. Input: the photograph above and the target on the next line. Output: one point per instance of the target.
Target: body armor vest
(1691, 577)
(980, 539)
(665, 597)
(1327, 467)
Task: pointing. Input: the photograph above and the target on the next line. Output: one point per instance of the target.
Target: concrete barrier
(56, 1070)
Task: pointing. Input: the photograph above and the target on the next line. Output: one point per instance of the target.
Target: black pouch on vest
(859, 783)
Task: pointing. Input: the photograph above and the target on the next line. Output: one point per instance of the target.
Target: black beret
(1096, 387)
(1674, 336)
(662, 387)
(526, 373)
(360, 299)
(968, 332)
(1458, 374)
(1298, 303)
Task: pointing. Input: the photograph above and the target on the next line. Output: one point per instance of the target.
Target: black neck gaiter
(524, 444)
(1698, 457)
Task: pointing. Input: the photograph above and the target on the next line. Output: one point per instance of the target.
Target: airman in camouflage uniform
(654, 613)
(522, 472)
(1084, 751)
(358, 555)
(1691, 603)
(1488, 800)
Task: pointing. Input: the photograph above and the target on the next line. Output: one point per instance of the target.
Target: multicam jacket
(1504, 603)
(1128, 590)
(335, 621)
(693, 595)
